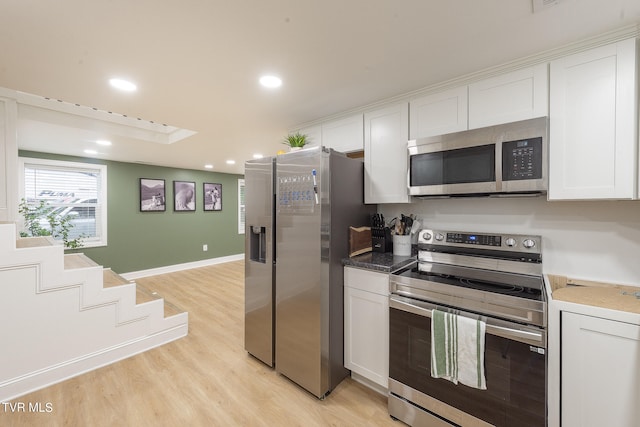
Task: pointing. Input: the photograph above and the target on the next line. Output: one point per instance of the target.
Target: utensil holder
(402, 245)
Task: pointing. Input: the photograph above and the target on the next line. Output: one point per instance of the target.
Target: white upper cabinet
(314, 135)
(439, 113)
(386, 133)
(344, 135)
(509, 97)
(518, 95)
(593, 124)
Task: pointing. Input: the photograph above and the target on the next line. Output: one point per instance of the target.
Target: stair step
(143, 294)
(111, 278)
(171, 309)
(72, 261)
(34, 242)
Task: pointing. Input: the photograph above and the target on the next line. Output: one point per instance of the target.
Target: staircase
(63, 315)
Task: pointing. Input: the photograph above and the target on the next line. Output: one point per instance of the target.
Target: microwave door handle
(423, 309)
(498, 166)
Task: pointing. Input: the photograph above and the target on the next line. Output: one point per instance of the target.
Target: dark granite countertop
(384, 262)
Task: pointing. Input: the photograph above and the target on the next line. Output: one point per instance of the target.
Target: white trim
(69, 369)
(613, 36)
(37, 106)
(180, 267)
(368, 383)
(241, 223)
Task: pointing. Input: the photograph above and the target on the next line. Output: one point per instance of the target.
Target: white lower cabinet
(600, 372)
(366, 324)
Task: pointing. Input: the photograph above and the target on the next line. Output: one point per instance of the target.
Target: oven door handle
(422, 308)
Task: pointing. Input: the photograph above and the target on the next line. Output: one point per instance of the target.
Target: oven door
(515, 369)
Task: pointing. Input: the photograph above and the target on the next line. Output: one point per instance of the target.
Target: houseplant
(43, 220)
(296, 140)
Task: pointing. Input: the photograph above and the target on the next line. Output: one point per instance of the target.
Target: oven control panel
(505, 242)
(474, 239)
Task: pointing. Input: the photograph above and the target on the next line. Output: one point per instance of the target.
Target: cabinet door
(366, 319)
(593, 118)
(386, 133)
(344, 135)
(314, 135)
(600, 372)
(439, 113)
(509, 97)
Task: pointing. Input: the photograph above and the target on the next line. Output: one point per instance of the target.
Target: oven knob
(528, 243)
(511, 242)
(426, 236)
(439, 237)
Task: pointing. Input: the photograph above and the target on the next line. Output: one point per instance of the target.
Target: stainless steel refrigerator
(298, 209)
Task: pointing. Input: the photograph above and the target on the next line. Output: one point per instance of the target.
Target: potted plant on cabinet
(295, 141)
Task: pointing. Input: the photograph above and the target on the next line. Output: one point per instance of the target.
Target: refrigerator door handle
(315, 186)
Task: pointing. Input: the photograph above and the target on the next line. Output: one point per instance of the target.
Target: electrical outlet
(205, 248)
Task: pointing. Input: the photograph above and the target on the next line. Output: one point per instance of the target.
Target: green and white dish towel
(457, 349)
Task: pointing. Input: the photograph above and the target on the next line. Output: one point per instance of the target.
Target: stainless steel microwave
(508, 159)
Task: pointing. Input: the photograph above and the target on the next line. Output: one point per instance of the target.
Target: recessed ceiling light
(270, 81)
(257, 156)
(208, 166)
(90, 152)
(122, 84)
(103, 142)
(231, 162)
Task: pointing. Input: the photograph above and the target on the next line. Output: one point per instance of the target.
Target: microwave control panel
(522, 159)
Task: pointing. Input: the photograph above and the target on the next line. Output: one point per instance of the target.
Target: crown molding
(613, 36)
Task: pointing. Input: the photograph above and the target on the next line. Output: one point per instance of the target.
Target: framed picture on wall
(184, 196)
(152, 195)
(212, 194)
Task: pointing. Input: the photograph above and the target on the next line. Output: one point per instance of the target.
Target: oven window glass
(461, 166)
(515, 374)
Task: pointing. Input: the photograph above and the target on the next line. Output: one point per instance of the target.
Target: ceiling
(197, 62)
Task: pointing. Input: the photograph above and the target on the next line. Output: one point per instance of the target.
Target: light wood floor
(204, 379)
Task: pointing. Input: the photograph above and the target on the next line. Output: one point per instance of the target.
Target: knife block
(381, 239)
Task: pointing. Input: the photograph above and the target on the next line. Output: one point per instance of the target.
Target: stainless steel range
(496, 278)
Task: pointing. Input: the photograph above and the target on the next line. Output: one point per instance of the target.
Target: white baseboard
(37, 380)
(372, 385)
(179, 267)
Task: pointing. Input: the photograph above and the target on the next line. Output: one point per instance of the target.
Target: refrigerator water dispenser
(258, 244)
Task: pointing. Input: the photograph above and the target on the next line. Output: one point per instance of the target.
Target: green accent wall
(145, 240)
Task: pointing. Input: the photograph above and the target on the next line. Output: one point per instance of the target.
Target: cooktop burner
(481, 285)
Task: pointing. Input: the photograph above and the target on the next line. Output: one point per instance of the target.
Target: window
(241, 206)
(74, 190)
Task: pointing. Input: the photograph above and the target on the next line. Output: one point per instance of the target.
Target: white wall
(583, 240)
